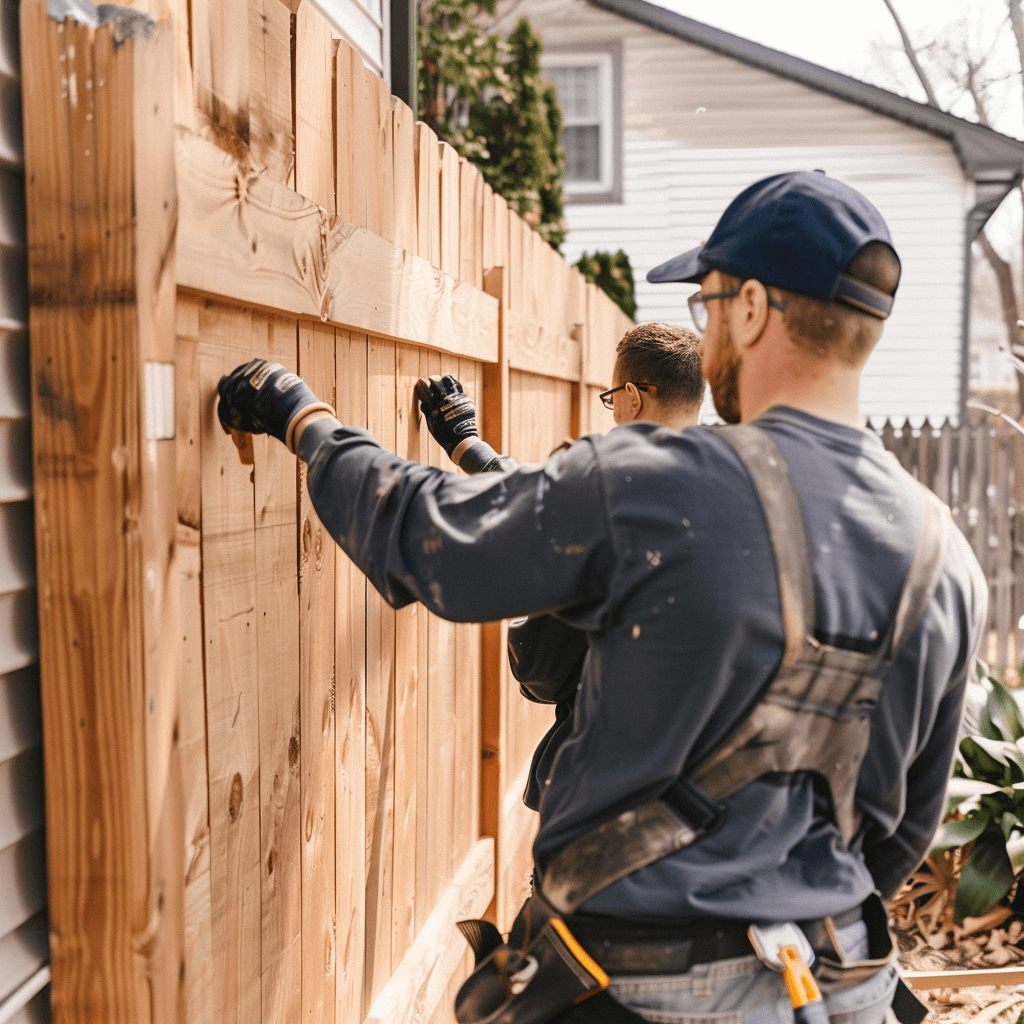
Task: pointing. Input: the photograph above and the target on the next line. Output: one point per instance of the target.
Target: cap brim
(685, 267)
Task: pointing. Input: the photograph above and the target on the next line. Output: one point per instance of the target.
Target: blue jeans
(743, 991)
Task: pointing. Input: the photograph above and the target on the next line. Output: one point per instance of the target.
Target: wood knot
(307, 539)
(235, 798)
(309, 823)
(293, 753)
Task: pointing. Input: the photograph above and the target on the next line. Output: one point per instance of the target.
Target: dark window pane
(577, 91)
(582, 145)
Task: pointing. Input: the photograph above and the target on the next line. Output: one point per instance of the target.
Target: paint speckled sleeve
(472, 549)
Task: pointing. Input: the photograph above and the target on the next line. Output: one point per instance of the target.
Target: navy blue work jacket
(654, 543)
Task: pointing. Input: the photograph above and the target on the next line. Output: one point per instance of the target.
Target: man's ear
(750, 314)
(636, 401)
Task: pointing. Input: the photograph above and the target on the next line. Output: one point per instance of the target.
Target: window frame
(607, 57)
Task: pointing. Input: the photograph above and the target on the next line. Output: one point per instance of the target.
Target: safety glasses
(699, 311)
(606, 396)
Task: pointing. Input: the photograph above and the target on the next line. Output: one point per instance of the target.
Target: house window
(585, 83)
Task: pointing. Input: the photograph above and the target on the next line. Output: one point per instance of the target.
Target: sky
(838, 35)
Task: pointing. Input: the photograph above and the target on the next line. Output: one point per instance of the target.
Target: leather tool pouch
(532, 985)
(834, 974)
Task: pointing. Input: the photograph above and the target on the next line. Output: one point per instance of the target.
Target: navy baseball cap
(796, 231)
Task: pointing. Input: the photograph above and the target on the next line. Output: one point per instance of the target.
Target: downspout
(970, 233)
(991, 187)
(403, 52)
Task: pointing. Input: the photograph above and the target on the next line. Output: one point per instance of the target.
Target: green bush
(612, 273)
(487, 97)
(985, 810)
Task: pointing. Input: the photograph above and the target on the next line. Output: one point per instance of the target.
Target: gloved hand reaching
(262, 397)
(450, 412)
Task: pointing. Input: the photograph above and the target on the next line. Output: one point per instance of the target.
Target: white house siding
(24, 950)
(681, 168)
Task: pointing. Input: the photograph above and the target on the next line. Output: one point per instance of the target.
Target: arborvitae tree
(459, 64)
(613, 274)
(487, 97)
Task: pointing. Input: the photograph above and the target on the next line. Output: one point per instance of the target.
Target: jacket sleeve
(472, 549)
(891, 859)
(545, 656)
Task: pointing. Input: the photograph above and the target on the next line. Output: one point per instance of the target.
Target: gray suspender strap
(645, 834)
(785, 519)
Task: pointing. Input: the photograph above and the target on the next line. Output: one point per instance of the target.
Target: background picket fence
(977, 468)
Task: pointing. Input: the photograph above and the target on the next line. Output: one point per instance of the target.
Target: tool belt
(814, 716)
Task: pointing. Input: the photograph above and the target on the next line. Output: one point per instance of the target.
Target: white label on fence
(159, 401)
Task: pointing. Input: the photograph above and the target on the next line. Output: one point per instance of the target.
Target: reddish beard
(723, 373)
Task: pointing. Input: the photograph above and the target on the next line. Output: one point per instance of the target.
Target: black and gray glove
(451, 420)
(262, 397)
(450, 412)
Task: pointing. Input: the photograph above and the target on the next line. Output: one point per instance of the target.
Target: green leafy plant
(613, 274)
(487, 97)
(985, 811)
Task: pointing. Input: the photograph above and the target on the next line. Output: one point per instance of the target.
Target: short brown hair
(665, 356)
(834, 330)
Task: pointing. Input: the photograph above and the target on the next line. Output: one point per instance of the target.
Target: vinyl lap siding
(681, 168)
(24, 994)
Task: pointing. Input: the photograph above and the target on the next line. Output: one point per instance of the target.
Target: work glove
(262, 397)
(450, 412)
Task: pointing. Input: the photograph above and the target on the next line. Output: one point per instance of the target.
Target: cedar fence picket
(269, 795)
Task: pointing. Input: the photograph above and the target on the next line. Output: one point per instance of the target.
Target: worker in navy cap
(780, 628)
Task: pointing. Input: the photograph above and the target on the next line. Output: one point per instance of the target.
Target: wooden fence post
(98, 100)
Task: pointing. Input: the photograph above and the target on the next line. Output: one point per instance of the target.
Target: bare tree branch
(1007, 299)
(908, 48)
(1017, 22)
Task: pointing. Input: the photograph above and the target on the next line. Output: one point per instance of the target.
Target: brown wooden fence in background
(977, 468)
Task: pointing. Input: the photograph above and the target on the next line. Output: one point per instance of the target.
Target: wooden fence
(977, 468)
(269, 795)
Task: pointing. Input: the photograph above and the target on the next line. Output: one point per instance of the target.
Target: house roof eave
(982, 152)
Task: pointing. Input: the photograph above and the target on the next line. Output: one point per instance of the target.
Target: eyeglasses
(699, 310)
(606, 396)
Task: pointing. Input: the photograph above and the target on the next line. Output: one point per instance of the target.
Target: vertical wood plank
(366, 148)
(184, 89)
(271, 143)
(232, 692)
(428, 195)
(440, 725)
(192, 691)
(471, 218)
(386, 182)
(220, 66)
(410, 444)
(488, 230)
(105, 507)
(466, 796)
(515, 264)
(403, 132)
(314, 107)
(317, 554)
(350, 739)
(277, 667)
(344, 139)
(380, 709)
(449, 209)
